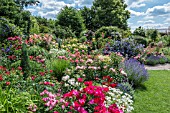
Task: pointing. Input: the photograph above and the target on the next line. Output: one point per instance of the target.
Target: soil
(158, 67)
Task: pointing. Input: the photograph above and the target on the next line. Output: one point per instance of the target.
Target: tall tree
(110, 13)
(70, 17)
(25, 3)
(88, 16)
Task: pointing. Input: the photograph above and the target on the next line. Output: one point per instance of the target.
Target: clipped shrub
(58, 67)
(110, 31)
(141, 40)
(136, 72)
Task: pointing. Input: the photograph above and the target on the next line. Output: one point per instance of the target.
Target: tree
(88, 16)
(140, 31)
(110, 13)
(25, 3)
(34, 26)
(70, 17)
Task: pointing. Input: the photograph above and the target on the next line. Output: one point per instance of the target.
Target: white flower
(71, 81)
(65, 78)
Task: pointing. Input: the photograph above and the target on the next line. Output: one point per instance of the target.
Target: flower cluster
(122, 100)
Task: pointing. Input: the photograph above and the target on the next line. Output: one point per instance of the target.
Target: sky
(145, 13)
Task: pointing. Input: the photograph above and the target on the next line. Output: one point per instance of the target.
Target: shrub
(110, 31)
(59, 66)
(88, 34)
(8, 30)
(63, 32)
(153, 60)
(141, 40)
(128, 48)
(83, 39)
(166, 51)
(136, 71)
(126, 88)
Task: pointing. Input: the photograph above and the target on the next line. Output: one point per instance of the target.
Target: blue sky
(145, 13)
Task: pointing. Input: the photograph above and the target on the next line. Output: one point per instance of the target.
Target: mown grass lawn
(154, 95)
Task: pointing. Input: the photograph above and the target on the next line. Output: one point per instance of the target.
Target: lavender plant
(155, 59)
(136, 72)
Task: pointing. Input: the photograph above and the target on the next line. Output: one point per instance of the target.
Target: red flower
(42, 73)
(7, 72)
(33, 77)
(51, 71)
(113, 85)
(88, 83)
(1, 78)
(8, 83)
(31, 57)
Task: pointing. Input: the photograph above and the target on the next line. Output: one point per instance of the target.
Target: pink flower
(19, 68)
(80, 80)
(8, 83)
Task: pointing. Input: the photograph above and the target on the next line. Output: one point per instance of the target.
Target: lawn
(154, 95)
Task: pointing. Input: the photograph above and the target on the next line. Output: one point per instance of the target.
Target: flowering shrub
(155, 59)
(127, 48)
(136, 72)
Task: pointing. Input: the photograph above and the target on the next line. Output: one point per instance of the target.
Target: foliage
(34, 26)
(136, 72)
(125, 87)
(45, 25)
(8, 30)
(127, 48)
(25, 61)
(88, 16)
(166, 51)
(110, 13)
(153, 34)
(59, 66)
(88, 34)
(141, 40)
(166, 40)
(155, 59)
(140, 32)
(111, 31)
(13, 101)
(63, 32)
(69, 17)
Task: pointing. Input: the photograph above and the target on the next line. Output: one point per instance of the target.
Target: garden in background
(82, 62)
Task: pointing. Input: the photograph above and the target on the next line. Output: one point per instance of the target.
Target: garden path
(158, 67)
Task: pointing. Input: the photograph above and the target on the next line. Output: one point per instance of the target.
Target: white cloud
(159, 10)
(135, 13)
(167, 20)
(136, 3)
